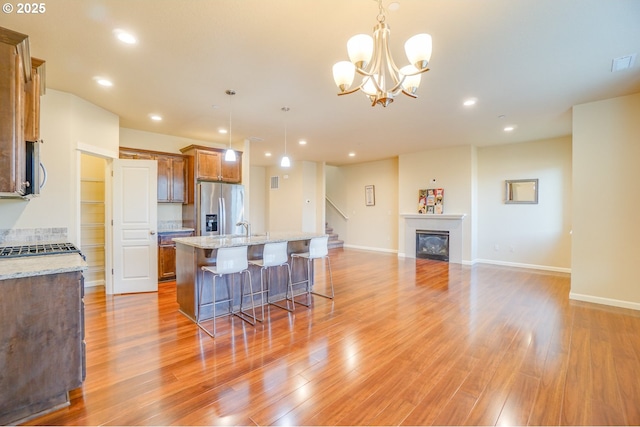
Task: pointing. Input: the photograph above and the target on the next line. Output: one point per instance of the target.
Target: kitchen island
(194, 252)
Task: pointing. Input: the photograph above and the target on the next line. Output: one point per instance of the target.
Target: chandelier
(370, 57)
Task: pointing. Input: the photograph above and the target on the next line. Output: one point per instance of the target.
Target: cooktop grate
(37, 250)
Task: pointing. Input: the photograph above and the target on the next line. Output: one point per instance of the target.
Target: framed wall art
(369, 195)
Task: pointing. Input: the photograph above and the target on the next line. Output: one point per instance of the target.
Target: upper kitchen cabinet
(171, 172)
(33, 90)
(208, 164)
(15, 74)
(171, 178)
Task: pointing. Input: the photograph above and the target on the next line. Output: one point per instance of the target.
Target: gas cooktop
(37, 250)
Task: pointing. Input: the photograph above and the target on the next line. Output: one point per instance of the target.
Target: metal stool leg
(241, 313)
(330, 281)
(289, 289)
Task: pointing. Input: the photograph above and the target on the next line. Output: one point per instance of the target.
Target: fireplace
(432, 244)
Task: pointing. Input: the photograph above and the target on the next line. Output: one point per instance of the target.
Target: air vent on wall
(275, 182)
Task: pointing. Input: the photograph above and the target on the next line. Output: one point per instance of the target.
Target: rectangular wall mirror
(521, 191)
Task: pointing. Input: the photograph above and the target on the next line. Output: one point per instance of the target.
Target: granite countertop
(227, 241)
(28, 266)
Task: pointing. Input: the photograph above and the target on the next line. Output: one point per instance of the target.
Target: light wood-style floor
(405, 342)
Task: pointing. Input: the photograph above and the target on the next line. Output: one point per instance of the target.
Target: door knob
(152, 232)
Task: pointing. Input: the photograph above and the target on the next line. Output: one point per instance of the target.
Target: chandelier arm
(409, 94)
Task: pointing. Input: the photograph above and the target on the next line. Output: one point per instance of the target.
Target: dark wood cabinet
(33, 90)
(41, 343)
(172, 171)
(167, 253)
(15, 73)
(208, 164)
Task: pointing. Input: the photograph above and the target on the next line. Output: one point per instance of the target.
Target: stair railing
(336, 208)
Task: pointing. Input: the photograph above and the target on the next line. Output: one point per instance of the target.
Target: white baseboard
(605, 301)
(522, 265)
(367, 248)
(93, 283)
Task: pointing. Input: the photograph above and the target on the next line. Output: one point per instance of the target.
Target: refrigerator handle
(223, 218)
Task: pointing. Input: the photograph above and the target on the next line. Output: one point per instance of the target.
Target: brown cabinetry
(33, 90)
(167, 253)
(171, 172)
(15, 73)
(208, 164)
(41, 343)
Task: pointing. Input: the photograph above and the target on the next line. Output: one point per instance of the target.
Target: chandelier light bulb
(343, 74)
(360, 49)
(418, 49)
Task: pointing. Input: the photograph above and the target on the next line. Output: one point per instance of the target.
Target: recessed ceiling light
(302, 142)
(125, 37)
(267, 154)
(352, 154)
(469, 102)
(104, 82)
(222, 131)
(509, 128)
(155, 117)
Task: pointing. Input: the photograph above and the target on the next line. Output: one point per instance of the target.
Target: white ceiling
(529, 60)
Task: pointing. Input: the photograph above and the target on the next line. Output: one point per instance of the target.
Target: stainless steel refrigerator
(216, 210)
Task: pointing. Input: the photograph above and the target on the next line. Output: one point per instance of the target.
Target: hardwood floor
(405, 342)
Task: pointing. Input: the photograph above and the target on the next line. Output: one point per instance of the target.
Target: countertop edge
(16, 268)
(216, 242)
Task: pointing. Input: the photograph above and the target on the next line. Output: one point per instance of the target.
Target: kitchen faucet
(247, 227)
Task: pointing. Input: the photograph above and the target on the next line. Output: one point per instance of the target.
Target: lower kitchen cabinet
(42, 349)
(167, 253)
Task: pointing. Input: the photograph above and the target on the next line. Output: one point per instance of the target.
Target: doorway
(92, 217)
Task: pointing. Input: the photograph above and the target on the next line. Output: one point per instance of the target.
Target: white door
(135, 243)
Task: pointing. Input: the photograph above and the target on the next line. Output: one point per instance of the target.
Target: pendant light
(230, 154)
(285, 162)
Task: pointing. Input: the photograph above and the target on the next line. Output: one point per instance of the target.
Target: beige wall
(532, 235)
(68, 124)
(368, 227)
(453, 170)
(294, 206)
(606, 201)
(159, 142)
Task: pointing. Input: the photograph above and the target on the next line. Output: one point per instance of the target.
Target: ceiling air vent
(623, 62)
(275, 182)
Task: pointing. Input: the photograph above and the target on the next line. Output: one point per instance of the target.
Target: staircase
(334, 242)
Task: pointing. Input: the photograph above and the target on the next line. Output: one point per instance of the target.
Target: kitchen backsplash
(169, 225)
(32, 235)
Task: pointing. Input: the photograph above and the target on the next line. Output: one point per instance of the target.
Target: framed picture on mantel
(369, 195)
(430, 201)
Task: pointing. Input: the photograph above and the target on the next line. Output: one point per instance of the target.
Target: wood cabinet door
(32, 101)
(164, 179)
(231, 171)
(166, 262)
(208, 165)
(178, 179)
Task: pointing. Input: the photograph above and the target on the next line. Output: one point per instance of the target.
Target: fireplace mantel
(433, 216)
(444, 222)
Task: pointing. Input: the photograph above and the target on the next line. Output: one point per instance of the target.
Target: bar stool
(229, 261)
(274, 255)
(317, 250)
